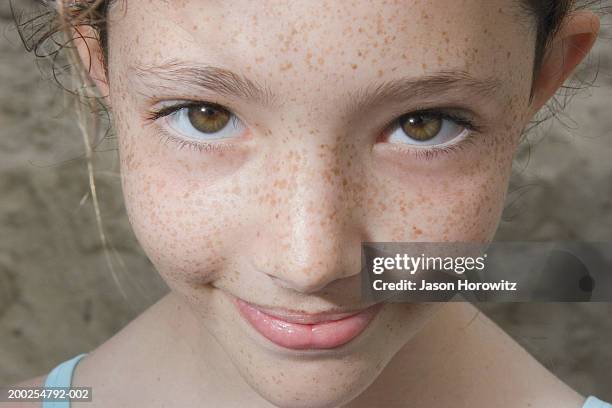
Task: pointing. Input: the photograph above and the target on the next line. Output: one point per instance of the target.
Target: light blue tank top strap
(61, 376)
(593, 402)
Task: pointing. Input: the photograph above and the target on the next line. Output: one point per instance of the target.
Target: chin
(320, 384)
(312, 378)
(318, 378)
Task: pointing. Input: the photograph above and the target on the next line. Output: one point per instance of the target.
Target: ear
(87, 44)
(568, 48)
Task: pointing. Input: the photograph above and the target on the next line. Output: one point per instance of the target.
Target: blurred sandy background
(58, 299)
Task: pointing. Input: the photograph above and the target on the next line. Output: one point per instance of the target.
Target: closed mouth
(303, 331)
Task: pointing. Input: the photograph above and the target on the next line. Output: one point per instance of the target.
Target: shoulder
(33, 382)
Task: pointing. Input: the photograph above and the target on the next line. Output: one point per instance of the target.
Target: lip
(302, 331)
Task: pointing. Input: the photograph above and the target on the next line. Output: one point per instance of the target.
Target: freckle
(354, 66)
(308, 57)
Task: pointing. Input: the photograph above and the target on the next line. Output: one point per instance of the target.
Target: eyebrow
(207, 78)
(435, 86)
(217, 80)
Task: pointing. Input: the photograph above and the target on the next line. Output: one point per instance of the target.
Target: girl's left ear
(568, 48)
(87, 45)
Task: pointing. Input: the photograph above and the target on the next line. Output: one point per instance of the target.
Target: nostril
(301, 285)
(307, 283)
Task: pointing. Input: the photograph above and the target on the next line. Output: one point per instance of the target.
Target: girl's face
(262, 142)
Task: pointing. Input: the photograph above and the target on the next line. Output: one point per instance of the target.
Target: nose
(310, 237)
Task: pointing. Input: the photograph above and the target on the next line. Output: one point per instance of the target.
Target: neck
(463, 359)
(168, 360)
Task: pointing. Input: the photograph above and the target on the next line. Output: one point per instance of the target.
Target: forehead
(315, 45)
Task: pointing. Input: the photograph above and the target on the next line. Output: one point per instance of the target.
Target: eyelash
(181, 143)
(429, 153)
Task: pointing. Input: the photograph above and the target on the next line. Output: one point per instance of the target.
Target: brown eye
(208, 118)
(421, 127)
(424, 128)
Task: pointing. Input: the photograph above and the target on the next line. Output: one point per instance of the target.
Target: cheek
(456, 198)
(183, 206)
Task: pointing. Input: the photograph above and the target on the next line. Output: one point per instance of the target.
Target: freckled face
(271, 205)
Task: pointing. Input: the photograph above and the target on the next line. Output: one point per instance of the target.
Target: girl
(262, 142)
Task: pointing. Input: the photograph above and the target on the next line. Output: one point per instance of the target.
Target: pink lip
(306, 331)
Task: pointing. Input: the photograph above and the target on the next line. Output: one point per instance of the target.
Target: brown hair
(548, 16)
